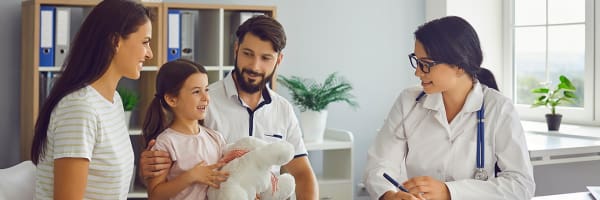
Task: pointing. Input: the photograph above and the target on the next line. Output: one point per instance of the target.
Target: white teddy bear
(250, 171)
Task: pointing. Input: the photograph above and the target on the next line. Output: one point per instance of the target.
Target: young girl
(81, 144)
(182, 91)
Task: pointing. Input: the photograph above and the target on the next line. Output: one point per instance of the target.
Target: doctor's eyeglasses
(425, 65)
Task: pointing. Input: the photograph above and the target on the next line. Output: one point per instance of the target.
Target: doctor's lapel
(414, 121)
(434, 103)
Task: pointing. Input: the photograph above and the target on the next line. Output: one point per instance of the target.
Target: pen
(394, 182)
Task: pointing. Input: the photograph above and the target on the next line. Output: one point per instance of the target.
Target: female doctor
(453, 137)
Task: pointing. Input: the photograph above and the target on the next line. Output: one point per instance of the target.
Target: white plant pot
(313, 125)
(127, 118)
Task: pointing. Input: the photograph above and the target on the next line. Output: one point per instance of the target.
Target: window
(549, 38)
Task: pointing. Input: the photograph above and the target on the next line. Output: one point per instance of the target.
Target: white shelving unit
(335, 182)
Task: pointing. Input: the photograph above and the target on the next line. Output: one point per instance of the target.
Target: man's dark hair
(265, 28)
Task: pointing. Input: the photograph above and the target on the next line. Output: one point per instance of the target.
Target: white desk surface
(541, 141)
(572, 144)
(565, 129)
(569, 196)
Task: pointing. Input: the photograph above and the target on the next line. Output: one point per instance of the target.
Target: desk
(571, 155)
(555, 148)
(569, 196)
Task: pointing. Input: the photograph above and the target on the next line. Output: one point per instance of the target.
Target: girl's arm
(160, 188)
(70, 178)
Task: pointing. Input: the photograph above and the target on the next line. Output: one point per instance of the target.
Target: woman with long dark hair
(455, 136)
(81, 143)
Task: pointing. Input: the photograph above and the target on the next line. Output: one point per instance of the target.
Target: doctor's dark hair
(264, 27)
(171, 77)
(91, 53)
(452, 40)
(486, 77)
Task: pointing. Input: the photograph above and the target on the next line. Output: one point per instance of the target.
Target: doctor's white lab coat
(417, 140)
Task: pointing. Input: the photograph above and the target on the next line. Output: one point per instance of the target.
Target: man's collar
(230, 89)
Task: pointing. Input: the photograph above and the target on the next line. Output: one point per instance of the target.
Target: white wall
(435, 9)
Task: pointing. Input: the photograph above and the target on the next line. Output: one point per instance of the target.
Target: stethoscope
(480, 172)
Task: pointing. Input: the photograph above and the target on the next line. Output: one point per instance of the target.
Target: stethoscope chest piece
(481, 174)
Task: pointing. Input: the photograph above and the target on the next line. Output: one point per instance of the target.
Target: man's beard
(247, 86)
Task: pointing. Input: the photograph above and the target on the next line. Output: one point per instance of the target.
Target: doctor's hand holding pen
(403, 194)
(420, 187)
(427, 187)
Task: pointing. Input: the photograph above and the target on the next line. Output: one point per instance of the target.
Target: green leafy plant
(563, 93)
(310, 95)
(129, 98)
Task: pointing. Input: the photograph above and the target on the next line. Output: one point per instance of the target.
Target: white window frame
(590, 113)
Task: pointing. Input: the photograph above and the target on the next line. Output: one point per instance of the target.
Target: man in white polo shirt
(243, 105)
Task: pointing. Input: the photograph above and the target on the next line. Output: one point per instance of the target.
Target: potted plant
(313, 99)
(130, 100)
(563, 93)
